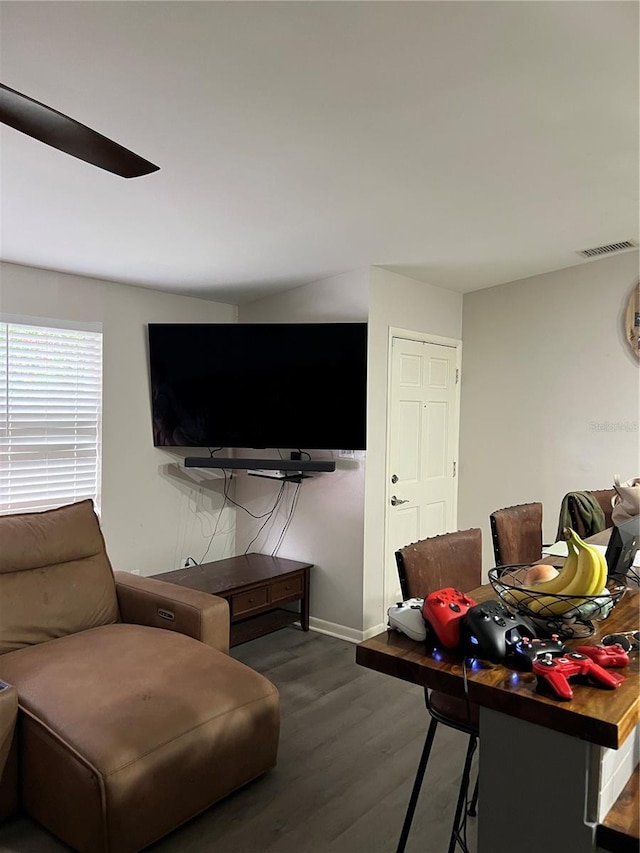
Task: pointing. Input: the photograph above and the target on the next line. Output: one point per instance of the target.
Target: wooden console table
(256, 586)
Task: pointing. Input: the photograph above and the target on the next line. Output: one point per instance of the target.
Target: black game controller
(491, 630)
(529, 649)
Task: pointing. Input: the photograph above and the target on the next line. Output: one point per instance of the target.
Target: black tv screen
(259, 385)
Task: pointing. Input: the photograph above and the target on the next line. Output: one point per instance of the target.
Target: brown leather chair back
(55, 576)
(452, 559)
(517, 534)
(604, 497)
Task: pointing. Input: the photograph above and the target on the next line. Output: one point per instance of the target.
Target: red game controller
(556, 671)
(443, 610)
(606, 656)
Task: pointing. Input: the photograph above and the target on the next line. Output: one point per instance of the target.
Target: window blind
(50, 416)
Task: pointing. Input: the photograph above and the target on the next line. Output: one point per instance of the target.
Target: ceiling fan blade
(68, 135)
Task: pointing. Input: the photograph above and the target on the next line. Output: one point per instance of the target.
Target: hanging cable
(269, 515)
(215, 529)
(294, 504)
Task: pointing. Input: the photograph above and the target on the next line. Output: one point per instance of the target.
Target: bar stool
(575, 505)
(516, 532)
(452, 559)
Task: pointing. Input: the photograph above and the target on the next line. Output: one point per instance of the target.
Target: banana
(549, 605)
(514, 597)
(591, 571)
(584, 574)
(517, 595)
(544, 605)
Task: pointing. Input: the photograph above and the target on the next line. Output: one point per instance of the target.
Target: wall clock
(632, 321)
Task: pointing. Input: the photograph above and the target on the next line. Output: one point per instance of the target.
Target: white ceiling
(462, 143)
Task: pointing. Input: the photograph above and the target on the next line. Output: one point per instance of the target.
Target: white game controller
(406, 617)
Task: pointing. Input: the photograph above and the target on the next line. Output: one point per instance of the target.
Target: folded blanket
(588, 509)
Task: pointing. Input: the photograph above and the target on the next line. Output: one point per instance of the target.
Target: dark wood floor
(350, 743)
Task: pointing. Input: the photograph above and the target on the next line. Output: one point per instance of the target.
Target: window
(50, 415)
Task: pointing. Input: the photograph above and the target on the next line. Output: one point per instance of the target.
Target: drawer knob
(251, 601)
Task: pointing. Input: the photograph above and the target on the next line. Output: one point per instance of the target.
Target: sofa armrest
(8, 750)
(158, 604)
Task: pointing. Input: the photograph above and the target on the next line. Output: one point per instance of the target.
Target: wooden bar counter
(603, 717)
(542, 760)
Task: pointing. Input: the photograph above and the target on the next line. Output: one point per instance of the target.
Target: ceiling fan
(68, 135)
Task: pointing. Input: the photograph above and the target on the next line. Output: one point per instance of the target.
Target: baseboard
(342, 632)
(371, 632)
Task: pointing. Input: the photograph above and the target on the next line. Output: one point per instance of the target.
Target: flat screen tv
(259, 385)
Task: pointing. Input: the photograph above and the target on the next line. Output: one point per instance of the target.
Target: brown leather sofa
(132, 718)
(8, 750)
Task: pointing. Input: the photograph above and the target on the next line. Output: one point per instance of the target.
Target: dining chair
(451, 559)
(582, 521)
(516, 532)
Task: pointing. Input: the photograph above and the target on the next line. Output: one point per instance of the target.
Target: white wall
(550, 400)
(550, 391)
(150, 517)
(400, 302)
(327, 528)
(341, 298)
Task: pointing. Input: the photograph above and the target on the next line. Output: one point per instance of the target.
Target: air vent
(606, 250)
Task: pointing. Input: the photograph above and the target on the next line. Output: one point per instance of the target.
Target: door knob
(397, 501)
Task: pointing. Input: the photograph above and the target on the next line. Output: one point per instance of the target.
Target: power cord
(266, 515)
(466, 686)
(240, 506)
(225, 491)
(294, 504)
(269, 515)
(215, 529)
(462, 831)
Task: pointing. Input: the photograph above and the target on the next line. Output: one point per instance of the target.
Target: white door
(422, 449)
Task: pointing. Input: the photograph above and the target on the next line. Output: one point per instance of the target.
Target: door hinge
(454, 468)
(457, 375)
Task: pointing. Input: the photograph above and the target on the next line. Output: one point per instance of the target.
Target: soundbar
(260, 464)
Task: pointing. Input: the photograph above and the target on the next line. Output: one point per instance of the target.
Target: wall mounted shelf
(262, 464)
(292, 477)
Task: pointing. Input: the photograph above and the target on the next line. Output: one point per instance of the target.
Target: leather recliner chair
(132, 718)
(8, 750)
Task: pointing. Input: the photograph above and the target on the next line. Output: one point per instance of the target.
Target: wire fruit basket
(570, 616)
